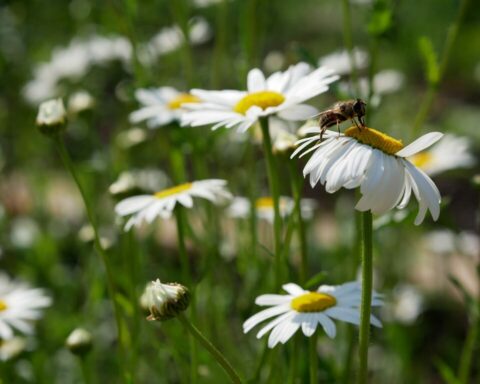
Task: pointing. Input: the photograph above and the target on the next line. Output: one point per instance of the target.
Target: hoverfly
(340, 112)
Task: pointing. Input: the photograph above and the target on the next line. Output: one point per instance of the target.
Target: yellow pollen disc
(173, 191)
(421, 159)
(3, 305)
(183, 98)
(262, 99)
(264, 202)
(313, 302)
(375, 139)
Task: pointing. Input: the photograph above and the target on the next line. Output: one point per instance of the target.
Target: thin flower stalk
(216, 354)
(97, 244)
(188, 278)
(274, 190)
(366, 303)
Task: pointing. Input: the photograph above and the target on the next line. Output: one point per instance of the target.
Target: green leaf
(316, 279)
(381, 19)
(432, 68)
(446, 372)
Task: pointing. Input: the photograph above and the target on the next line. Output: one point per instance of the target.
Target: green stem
(274, 190)
(216, 354)
(97, 243)
(297, 185)
(180, 14)
(467, 352)
(348, 41)
(85, 370)
(188, 279)
(366, 305)
(313, 363)
(433, 86)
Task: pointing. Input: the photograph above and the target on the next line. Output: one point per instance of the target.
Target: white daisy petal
(386, 180)
(420, 144)
(293, 289)
(255, 81)
(264, 315)
(21, 307)
(327, 324)
(306, 309)
(148, 207)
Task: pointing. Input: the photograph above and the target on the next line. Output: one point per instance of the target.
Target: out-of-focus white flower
(274, 61)
(147, 180)
(131, 137)
(170, 39)
(165, 301)
(206, 3)
(306, 310)
(405, 305)
(80, 101)
(200, 31)
(10, 348)
(62, 199)
(440, 241)
(376, 163)
(20, 305)
(469, 244)
(160, 106)
(340, 61)
(384, 82)
(282, 94)
(240, 208)
(450, 153)
(73, 62)
(148, 207)
(51, 117)
(24, 232)
(79, 341)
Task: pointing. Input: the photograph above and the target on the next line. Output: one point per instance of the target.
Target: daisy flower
(20, 305)
(450, 153)
(160, 106)
(240, 207)
(341, 63)
(376, 163)
(282, 94)
(162, 203)
(306, 309)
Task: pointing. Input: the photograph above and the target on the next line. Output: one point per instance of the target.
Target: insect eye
(359, 106)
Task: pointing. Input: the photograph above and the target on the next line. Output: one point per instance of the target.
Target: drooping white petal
(327, 324)
(420, 144)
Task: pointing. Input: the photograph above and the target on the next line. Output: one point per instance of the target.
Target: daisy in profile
(307, 309)
(282, 94)
(240, 208)
(162, 203)
(20, 306)
(160, 106)
(375, 162)
(450, 153)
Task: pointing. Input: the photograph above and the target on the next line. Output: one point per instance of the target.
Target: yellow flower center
(3, 305)
(262, 99)
(375, 139)
(313, 302)
(421, 159)
(267, 203)
(173, 191)
(264, 202)
(183, 98)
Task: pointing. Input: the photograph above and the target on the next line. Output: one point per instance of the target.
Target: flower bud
(165, 301)
(52, 117)
(79, 342)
